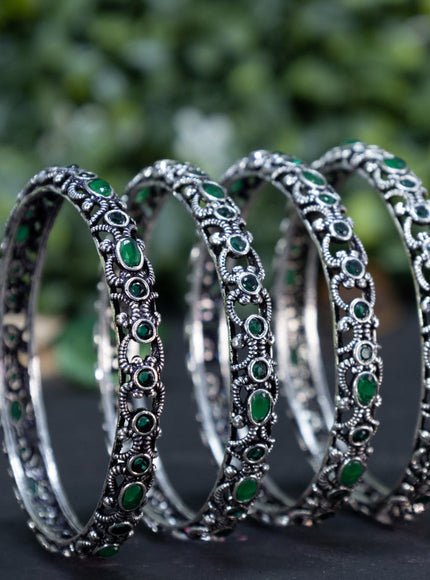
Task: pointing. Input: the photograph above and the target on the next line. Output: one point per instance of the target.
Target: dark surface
(345, 547)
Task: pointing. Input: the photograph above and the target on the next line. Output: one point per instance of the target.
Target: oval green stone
(361, 310)
(341, 229)
(138, 289)
(422, 211)
(314, 177)
(260, 406)
(256, 326)
(213, 190)
(22, 233)
(360, 435)
(144, 423)
(366, 388)
(146, 378)
(145, 330)
(250, 283)
(120, 529)
(395, 163)
(235, 512)
(100, 187)
(15, 410)
(351, 472)
(238, 243)
(259, 370)
(130, 252)
(225, 212)
(139, 465)
(354, 267)
(246, 490)
(117, 217)
(107, 551)
(255, 453)
(327, 198)
(133, 496)
(407, 183)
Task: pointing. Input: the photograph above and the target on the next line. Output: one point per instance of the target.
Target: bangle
(252, 382)
(339, 463)
(407, 202)
(130, 469)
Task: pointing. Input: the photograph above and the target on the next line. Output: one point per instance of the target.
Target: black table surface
(344, 547)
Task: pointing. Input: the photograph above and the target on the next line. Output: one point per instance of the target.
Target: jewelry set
(242, 350)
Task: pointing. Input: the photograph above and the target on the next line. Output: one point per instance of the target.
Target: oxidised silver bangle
(129, 278)
(407, 202)
(339, 456)
(252, 381)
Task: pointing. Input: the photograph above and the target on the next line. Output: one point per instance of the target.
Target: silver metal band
(252, 382)
(407, 202)
(127, 273)
(339, 462)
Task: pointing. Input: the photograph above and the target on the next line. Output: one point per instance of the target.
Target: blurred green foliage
(114, 85)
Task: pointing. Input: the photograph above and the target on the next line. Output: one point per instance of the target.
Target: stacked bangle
(129, 278)
(340, 465)
(252, 383)
(406, 200)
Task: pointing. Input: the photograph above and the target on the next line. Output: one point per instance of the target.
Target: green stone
(145, 330)
(259, 370)
(100, 187)
(15, 410)
(350, 141)
(395, 163)
(422, 211)
(146, 378)
(314, 177)
(107, 551)
(139, 464)
(354, 267)
(120, 529)
(117, 217)
(133, 496)
(366, 352)
(260, 404)
(238, 243)
(143, 194)
(130, 252)
(235, 512)
(138, 289)
(246, 490)
(327, 198)
(22, 233)
(341, 229)
(360, 435)
(361, 310)
(256, 326)
(237, 186)
(255, 453)
(250, 283)
(225, 212)
(295, 161)
(366, 388)
(213, 190)
(351, 472)
(407, 183)
(144, 423)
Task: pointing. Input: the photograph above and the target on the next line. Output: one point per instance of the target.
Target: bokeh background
(114, 85)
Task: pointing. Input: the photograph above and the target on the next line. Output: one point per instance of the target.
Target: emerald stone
(407, 183)
(260, 404)
(314, 177)
(259, 370)
(144, 423)
(146, 378)
(145, 330)
(354, 267)
(235, 512)
(422, 211)
(130, 253)
(351, 472)
(139, 464)
(100, 187)
(132, 496)
(256, 453)
(15, 410)
(341, 229)
(327, 198)
(213, 190)
(225, 212)
(395, 163)
(117, 217)
(360, 435)
(107, 551)
(138, 288)
(22, 233)
(246, 490)
(120, 529)
(250, 283)
(256, 326)
(238, 243)
(361, 309)
(366, 388)
(143, 194)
